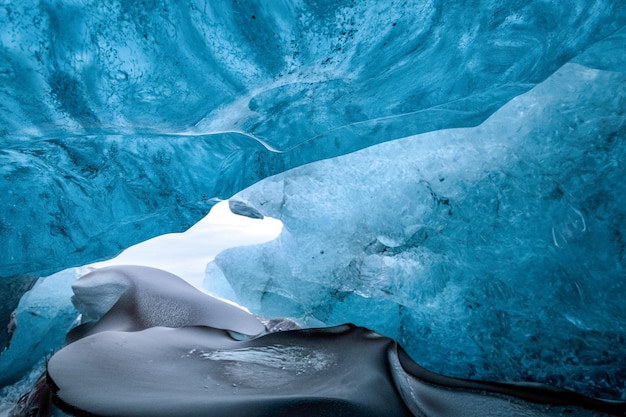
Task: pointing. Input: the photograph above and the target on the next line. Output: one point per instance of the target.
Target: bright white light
(187, 254)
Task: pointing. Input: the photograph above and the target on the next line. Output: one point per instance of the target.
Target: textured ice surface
(42, 318)
(121, 121)
(493, 252)
(196, 370)
(200, 370)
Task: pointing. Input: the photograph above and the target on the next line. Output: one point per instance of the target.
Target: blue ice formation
(185, 355)
(40, 321)
(123, 121)
(493, 252)
(485, 235)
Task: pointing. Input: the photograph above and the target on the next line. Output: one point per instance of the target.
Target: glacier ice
(42, 317)
(198, 370)
(123, 121)
(340, 371)
(493, 252)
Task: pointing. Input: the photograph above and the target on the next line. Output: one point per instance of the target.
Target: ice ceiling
(125, 120)
(500, 191)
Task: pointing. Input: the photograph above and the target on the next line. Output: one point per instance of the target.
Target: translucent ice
(123, 121)
(341, 371)
(493, 252)
(201, 370)
(42, 318)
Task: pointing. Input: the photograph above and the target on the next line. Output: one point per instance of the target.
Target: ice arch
(121, 121)
(493, 252)
(127, 120)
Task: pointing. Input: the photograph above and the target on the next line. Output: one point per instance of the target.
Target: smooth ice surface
(200, 370)
(341, 371)
(132, 298)
(122, 121)
(196, 371)
(493, 252)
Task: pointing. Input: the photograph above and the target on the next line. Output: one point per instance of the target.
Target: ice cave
(449, 176)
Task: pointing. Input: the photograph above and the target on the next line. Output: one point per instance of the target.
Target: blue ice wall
(122, 120)
(40, 321)
(495, 252)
